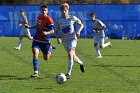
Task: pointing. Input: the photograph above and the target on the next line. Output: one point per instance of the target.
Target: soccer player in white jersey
(98, 29)
(24, 31)
(65, 24)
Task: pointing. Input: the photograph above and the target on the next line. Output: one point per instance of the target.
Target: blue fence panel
(121, 20)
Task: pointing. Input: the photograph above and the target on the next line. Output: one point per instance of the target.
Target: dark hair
(93, 14)
(43, 6)
(22, 10)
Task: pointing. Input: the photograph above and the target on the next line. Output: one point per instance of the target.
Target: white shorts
(69, 41)
(99, 40)
(25, 32)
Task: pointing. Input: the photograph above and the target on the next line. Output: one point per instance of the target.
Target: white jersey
(24, 31)
(66, 28)
(23, 19)
(97, 25)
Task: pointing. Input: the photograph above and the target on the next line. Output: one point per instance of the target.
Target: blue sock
(35, 64)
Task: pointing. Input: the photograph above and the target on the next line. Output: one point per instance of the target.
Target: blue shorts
(44, 47)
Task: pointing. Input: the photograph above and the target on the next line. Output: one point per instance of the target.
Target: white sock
(105, 45)
(36, 72)
(98, 51)
(77, 60)
(70, 64)
(19, 43)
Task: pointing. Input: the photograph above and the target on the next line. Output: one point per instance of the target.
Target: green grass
(117, 72)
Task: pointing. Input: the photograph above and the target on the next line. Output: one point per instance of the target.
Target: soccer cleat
(82, 68)
(110, 45)
(35, 75)
(99, 57)
(17, 48)
(53, 47)
(67, 76)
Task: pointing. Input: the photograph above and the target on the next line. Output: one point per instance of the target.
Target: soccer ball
(60, 78)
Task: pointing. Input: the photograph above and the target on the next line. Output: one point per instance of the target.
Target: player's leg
(35, 50)
(28, 34)
(75, 58)
(46, 50)
(65, 44)
(19, 42)
(96, 48)
(70, 62)
(103, 45)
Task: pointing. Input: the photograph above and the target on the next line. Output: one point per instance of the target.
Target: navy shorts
(44, 47)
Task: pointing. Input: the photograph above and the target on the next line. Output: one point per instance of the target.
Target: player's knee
(46, 58)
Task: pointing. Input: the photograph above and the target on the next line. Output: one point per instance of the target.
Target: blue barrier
(121, 20)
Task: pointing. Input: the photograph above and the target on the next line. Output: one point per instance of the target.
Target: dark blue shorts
(44, 47)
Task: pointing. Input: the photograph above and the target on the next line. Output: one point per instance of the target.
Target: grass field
(117, 72)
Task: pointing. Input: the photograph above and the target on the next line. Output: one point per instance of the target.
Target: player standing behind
(24, 31)
(65, 24)
(44, 27)
(98, 29)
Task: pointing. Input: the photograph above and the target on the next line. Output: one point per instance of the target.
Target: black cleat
(82, 68)
(67, 76)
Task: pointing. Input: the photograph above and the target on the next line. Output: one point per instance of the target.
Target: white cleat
(17, 48)
(99, 57)
(34, 75)
(110, 45)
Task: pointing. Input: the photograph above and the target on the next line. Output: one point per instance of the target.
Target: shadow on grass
(10, 77)
(113, 66)
(121, 55)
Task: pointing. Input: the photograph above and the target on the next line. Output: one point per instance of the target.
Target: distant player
(98, 29)
(44, 27)
(24, 31)
(65, 24)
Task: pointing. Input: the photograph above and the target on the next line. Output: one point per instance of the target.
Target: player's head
(44, 9)
(64, 8)
(22, 12)
(93, 15)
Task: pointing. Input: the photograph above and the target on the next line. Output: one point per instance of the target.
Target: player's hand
(45, 33)
(97, 31)
(78, 35)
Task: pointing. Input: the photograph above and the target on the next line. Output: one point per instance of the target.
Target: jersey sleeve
(25, 21)
(101, 23)
(49, 24)
(77, 20)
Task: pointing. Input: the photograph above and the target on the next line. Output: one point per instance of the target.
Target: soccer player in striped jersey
(98, 29)
(65, 24)
(44, 27)
(24, 31)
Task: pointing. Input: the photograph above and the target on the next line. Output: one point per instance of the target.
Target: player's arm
(57, 28)
(103, 26)
(50, 29)
(29, 27)
(57, 37)
(77, 20)
(79, 30)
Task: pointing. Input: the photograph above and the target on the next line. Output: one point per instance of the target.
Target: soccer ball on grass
(60, 78)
